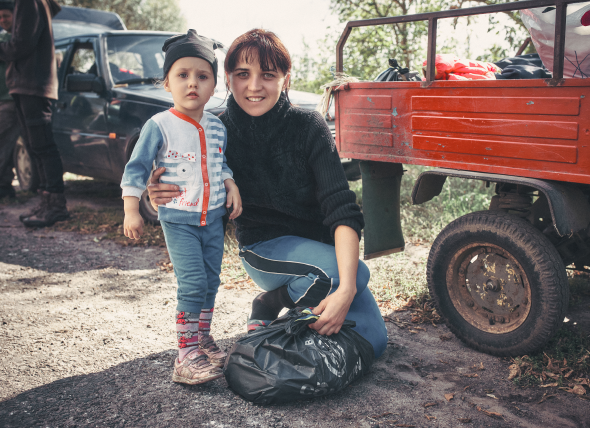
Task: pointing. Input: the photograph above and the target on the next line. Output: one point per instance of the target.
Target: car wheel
(149, 214)
(26, 171)
(498, 283)
(352, 170)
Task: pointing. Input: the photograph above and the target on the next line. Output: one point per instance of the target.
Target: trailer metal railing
(433, 17)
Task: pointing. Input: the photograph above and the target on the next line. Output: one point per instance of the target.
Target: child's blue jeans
(310, 270)
(196, 253)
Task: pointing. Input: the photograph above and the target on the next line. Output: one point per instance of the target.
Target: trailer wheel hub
(489, 288)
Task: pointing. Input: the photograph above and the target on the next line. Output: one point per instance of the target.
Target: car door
(79, 120)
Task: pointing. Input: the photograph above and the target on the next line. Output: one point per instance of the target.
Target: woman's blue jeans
(309, 269)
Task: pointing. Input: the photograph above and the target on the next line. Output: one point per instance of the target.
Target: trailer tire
(498, 283)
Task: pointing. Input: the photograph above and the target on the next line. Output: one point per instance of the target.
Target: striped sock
(205, 322)
(187, 329)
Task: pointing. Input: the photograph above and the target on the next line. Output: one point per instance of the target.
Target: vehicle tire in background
(149, 214)
(26, 172)
(352, 170)
(498, 283)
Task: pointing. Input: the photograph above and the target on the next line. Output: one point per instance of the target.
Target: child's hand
(133, 226)
(233, 198)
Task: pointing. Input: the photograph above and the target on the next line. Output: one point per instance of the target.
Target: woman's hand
(233, 198)
(160, 193)
(332, 311)
(335, 307)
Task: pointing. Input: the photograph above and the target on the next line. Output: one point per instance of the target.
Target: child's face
(256, 91)
(191, 83)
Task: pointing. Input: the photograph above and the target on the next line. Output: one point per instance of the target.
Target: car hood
(151, 94)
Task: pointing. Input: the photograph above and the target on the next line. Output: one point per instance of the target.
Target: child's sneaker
(215, 355)
(195, 369)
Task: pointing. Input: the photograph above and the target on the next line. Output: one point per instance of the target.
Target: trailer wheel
(498, 283)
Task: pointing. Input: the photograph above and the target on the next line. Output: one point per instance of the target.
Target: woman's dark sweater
(289, 175)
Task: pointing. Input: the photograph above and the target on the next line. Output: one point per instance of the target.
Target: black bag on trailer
(397, 74)
(288, 361)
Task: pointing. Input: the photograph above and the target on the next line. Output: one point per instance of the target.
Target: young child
(190, 144)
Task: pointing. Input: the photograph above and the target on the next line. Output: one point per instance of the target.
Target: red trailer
(497, 277)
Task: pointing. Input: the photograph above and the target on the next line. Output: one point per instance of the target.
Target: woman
(300, 226)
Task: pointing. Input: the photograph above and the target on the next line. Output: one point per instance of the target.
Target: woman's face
(256, 91)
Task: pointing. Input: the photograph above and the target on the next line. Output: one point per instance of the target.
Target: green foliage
(368, 49)
(309, 73)
(153, 15)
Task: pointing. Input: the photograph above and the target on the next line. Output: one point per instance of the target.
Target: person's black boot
(54, 211)
(38, 209)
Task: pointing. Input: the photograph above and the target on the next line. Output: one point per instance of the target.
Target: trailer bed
(525, 128)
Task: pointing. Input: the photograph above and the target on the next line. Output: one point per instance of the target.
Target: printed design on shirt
(189, 156)
(185, 170)
(183, 200)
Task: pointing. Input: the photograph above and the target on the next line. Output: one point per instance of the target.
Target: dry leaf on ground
(545, 397)
(514, 371)
(577, 389)
(449, 397)
(488, 413)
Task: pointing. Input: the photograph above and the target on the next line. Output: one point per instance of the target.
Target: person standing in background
(8, 124)
(31, 77)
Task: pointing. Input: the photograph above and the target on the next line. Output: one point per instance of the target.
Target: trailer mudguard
(381, 208)
(568, 205)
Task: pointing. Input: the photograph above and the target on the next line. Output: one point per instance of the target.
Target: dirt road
(87, 339)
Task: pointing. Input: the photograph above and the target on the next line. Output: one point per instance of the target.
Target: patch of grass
(396, 278)
(422, 223)
(579, 287)
(458, 197)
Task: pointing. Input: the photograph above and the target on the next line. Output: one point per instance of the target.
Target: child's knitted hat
(7, 4)
(193, 45)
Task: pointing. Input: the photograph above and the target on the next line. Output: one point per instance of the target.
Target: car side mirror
(85, 83)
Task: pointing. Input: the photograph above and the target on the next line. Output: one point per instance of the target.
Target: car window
(135, 58)
(83, 61)
(139, 59)
(60, 54)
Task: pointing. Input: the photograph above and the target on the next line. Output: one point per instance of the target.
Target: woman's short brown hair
(272, 53)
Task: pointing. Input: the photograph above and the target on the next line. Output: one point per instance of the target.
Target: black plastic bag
(288, 361)
(397, 74)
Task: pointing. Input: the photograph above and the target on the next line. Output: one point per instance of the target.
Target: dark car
(106, 94)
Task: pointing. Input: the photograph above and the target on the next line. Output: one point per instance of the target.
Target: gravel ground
(87, 339)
